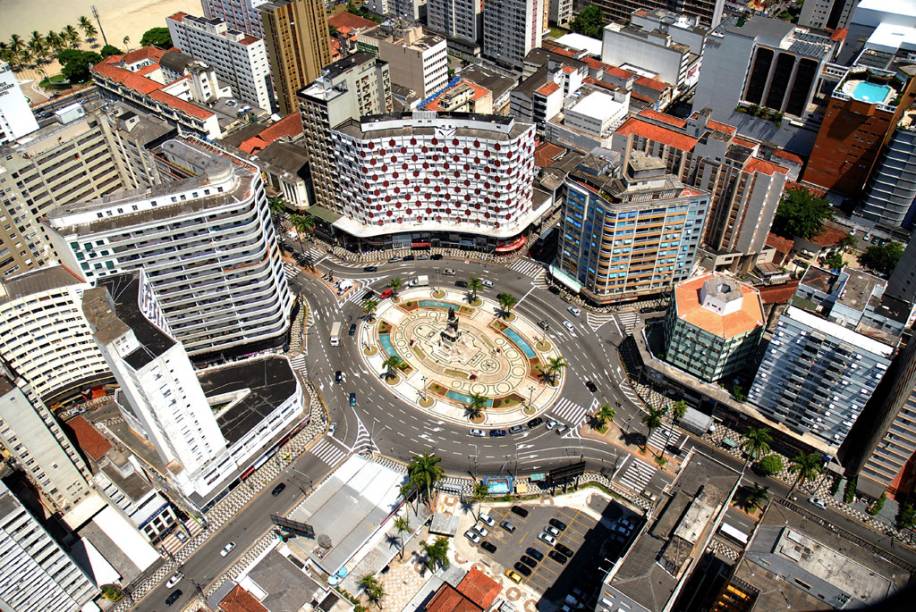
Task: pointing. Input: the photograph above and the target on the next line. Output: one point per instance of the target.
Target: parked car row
(515, 429)
(532, 555)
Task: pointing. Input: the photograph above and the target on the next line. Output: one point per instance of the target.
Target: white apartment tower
(457, 20)
(16, 118)
(241, 15)
(207, 245)
(826, 14)
(32, 436)
(239, 59)
(512, 28)
(36, 575)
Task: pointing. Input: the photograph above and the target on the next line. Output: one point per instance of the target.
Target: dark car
(544, 325)
(535, 422)
(647, 309)
(338, 377)
(352, 399)
(557, 556)
(409, 258)
(435, 257)
(562, 549)
(370, 269)
(498, 433)
(589, 385)
(488, 546)
(175, 596)
(508, 526)
(528, 561)
(522, 569)
(519, 511)
(558, 524)
(278, 489)
(534, 553)
(352, 330)
(554, 290)
(461, 283)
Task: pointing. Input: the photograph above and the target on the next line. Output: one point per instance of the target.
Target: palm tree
(303, 224)
(369, 307)
(88, 29)
(474, 285)
(16, 45)
(754, 497)
(401, 525)
(605, 413)
(395, 285)
(756, 444)
(391, 365)
(407, 490)
(425, 471)
(277, 206)
(506, 301)
(652, 420)
(38, 47)
(479, 493)
(475, 408)
(72, 36)
(678, 410)
(555, 365)
(374, 590)
(436, 553)
(805, 466)
(126, 42)
(55, 42)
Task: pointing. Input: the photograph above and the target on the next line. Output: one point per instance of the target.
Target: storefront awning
(512, 246)
(565, 278)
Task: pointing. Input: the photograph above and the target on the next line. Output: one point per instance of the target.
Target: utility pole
(95, 14)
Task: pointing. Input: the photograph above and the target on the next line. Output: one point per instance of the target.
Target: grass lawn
(57, 81)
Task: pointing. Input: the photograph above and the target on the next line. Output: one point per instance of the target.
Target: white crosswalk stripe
(637, 475)
(298, 363)
(596, 320)
(629, 392)
(527, 267)
(570, 412)
(627, 321)
(290, 270)
(358, 291)
(329, 452)
(541, 279)
(659, 438)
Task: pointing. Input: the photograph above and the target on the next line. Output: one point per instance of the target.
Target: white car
(551, 424)
(487, 282)
(479, 433)
(551, 530)
(574, 311)
(486, 518)
(472, 535)
(483, 531)
(569, 327)
(817, 501)
(227, 549)
(547, 538)
(174, 580)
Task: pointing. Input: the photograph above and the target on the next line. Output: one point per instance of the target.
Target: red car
(387, 293)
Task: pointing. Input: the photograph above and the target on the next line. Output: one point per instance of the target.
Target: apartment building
(561, 12)
(627, 231)
(296, 34)
(135, 136)
(892, 188)
(239, 59)
(241, 15)
(512, 28)
(416, 59)
(827, 14)
(460, 21)
(351, 88)
(410, 10)
(16, 118)
(709, 12)
(36, 575)
(902, 283)
(207, 244)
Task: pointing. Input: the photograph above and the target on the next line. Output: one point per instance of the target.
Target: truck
(420, 281)
(335, 334)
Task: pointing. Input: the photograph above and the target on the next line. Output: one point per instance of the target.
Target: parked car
(574, 311)
(555, 522)
(564, 550)
(498, 433)
(534, 553)
(227, 549)
(591, 386)
(488, 546)
(483, 531)
(408, 258)
(175, 596)
(175, 579)
(547, 538)
(338, 377)
(486, 518)
(557, 556)
(370, 269)
(436, 257)
(478, 433)
(528, 561)
(462, 284)
(516, 429)
(513, 576)
(332, 428)
(394, 259)
(536, 421)
(278, 489)
(519, 511)
(472, 535)
(551, 530)
(508, 526)
(551, 424)
(422, 257)
(817, 501)
(562, 428)
(522, 569)
(569, 327)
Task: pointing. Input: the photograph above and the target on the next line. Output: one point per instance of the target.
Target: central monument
(449, 336)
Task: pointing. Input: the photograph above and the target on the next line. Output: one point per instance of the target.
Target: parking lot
(591, 540)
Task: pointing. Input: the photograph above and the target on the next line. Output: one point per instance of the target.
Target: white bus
(335, 333)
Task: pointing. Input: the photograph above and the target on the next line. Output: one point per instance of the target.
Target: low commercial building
(286, 169)
(499, 85)
(713, 326)
(460, 96)
(589, 120)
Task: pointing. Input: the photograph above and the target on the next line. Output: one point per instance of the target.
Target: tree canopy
(801, 214)
(588, 22)
(882, 258)
(75, 64)
(159, 37)
(110, 50)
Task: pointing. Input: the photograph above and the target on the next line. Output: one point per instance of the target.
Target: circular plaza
(462, 357)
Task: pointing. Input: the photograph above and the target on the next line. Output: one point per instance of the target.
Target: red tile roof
(615, 71)
(792, 157)
(718, 126)
(656, 84)
(546, 153)
(744, 142)
(829, 236)
(479, 588)
(248, 40)
(663, 118)
(657, 133)
(180, 105)
(240, 600)
(782, 245)
(547, 89)
(690, 191)
(88, 438)
(125, 77)
(179, 16)
(289, 126)
(778, 294)
(479, 92)
(449, 599)
(560, 50)
(742, 321)
(347, 19)
(839, 34)
(143, 53)
(755, 164)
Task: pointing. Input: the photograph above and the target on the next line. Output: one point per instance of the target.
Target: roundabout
(462, 358)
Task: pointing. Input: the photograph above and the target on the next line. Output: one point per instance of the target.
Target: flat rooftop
(287, 586)
(36, 281)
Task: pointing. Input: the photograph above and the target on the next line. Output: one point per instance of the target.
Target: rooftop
(345, 19)
(285, 156)
(240, 600)
(289, 126)
(495, 82)
(450, 599)
(36, 281)
(732, 322)
(479, 588)
(287, 587)
(598, 105)
(637, 127)
(88, 438)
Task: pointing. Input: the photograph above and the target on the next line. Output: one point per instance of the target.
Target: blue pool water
(518, 341)
(385, 339)
(465, 399)
(498, 486)
(870, 92)
(437, 304)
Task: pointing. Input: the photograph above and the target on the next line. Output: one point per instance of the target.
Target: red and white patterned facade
(427, 172)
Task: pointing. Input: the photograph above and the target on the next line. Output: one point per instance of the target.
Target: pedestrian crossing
(358, 292)
(329, 451)
(570, 412)
(298, 364)
(364, 444)
(527, 267)
(637, 475)
(659, 439)
(597, 320)
(628, 390)
(627, 321)
(290, 270)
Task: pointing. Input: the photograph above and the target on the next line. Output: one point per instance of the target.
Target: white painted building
(409, 9)
(561, 12)
(207, 245)
(417, 59)
(241, 15)
(16, 118)
(240, 59)
(826, 14)
(512, 28)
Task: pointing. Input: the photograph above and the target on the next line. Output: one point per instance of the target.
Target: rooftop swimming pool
(869, 92)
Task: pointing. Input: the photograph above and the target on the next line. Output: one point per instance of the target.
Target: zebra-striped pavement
(358, 292)
(570, 412)
(637, 475)
(596, 320)
(659, 439)
(364, 443)
(627, 321)
(329, 451)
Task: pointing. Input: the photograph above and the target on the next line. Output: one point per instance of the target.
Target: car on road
(528, 561)
(535, 422)
(534, 553)
(647, 309)
(554, 289)
(522, 569)
(591, 386)
(352, 330)
(409, 258)
(516, 429)
(551, 530)
(519, 511)
(817, 501)
(370, 269)
(574, 311)
(513, 576)
(472, 535)
(569, 327)
(498, 433)
(551, 423)
(462, 284)
(338, 377)
(562, 428)
(175, 579)
(547, 538)
(508, 526)
(278, 489)
(478, 433)
(175, 596)
(488, 546)
(448, 272)
(394, 259)
(487, 283)
(227, 549)
(422, 257)
(436, 257)
(332, 428)
(564, 550)
(555, 522)
(557, 556)
(387, 293)
(486, 518)
(544, 325)
(352, 399)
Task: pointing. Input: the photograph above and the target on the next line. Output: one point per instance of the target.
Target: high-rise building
(33, 438)
(16, 118)
(627, 231)
(561, 12)
(408, 9)
(241, 15)
(351, 88)
(745, 188)
(892, 187)
(135, 137)
(43, 336)
(713, 326)
(423, 174)
(902, 283)
(826, 14)
(460, 21)
(296, 34)
(239, 59)
(512, 28)
(763, 62)
(709, 11)
(860, 119)
(207, 245)
(830, 350)
(36, 575)
(416, 59)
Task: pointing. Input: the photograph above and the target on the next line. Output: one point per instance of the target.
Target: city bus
(335, 333)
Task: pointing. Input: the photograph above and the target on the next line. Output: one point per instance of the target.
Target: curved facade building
(423, 172)
(206, 244)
